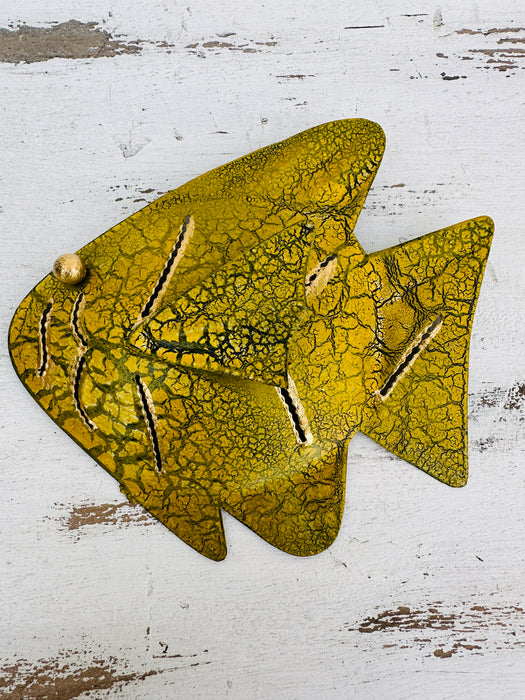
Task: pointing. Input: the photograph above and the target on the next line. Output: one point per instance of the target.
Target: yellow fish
(218, 349)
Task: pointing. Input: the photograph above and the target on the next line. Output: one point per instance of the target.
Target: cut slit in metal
(184, 235)
(296, 413)
(78, 308)
(410, 356)
(148, 410)
(76, 392)
(319, 277)
(45, 320)
(75, 314)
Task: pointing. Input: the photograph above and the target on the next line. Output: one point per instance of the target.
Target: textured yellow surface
(231, 337)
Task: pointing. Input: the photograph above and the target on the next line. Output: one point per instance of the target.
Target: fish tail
(425, 293)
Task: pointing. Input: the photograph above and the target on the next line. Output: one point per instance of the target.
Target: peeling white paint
(207, 87)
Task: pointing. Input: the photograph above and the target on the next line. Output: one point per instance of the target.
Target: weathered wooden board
(422, 593)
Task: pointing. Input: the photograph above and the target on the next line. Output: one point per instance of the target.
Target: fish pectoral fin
(429, 288)
(240, 319)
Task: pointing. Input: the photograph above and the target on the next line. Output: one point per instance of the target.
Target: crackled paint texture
(232, 336)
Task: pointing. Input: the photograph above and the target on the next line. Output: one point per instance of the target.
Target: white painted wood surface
(422, 594)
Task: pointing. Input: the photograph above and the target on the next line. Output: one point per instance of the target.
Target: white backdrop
(422, 594)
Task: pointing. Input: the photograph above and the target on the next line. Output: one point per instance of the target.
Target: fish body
(230, 338)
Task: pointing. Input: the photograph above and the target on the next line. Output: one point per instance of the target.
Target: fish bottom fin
(193, 517)
(428, 290)
(299, 513)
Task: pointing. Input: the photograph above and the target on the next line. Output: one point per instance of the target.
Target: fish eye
(69, 269)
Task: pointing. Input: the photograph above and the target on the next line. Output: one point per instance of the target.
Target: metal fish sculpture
(218, 349)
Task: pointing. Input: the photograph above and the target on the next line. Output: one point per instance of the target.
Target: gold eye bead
(69, 269)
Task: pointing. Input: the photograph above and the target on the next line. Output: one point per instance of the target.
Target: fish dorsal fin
(426, 292)
(239, 319)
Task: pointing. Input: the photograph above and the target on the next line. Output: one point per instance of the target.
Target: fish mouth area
(27, 329)
(46, 342)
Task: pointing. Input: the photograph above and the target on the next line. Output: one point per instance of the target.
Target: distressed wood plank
(422, 592)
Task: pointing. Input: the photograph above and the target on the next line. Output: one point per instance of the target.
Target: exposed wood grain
(109, 514)
(60, 679)
(71, 39)
(422, 594)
